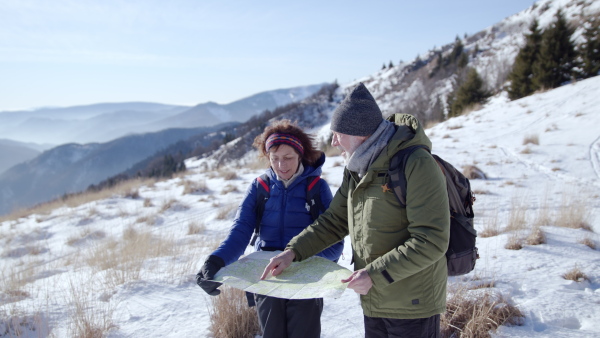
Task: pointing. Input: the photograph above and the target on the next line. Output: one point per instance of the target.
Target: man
(398, 253)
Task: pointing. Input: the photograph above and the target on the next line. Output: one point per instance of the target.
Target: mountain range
(30, 177)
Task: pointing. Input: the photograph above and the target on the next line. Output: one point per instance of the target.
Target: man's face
(346, 143)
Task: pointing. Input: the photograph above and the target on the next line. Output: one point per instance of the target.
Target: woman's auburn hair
(311, 155)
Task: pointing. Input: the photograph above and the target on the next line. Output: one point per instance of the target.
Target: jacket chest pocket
(382, 214)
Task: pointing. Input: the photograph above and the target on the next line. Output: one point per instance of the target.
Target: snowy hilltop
(124, 264)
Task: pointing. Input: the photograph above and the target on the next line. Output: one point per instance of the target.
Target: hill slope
(132, 261)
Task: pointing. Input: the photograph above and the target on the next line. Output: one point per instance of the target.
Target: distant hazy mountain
(12, 153)
(73, 167)
(82, 124)
(211, 113)
(108, 121)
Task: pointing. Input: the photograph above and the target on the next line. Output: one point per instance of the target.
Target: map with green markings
(314, 277)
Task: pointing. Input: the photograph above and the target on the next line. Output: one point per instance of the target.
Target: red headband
(290, 140)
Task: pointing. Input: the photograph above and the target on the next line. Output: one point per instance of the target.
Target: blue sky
(65, 53)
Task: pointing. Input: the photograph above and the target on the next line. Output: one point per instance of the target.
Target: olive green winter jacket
(402, 249)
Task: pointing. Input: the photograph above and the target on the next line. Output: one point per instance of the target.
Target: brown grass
(227, 175)
(226, 211)
(531, 139)
(589, 242)
(476, 313)
(536, 236)
(573, 213)
(526, 150)
(474, 173)
(124, 189)
(196, 227)
(124, 258)
(576, 275)
(230, 316)
(192, 187)
(229, 188)
(517, 217)
(514, 242)
(17, 323)
(90, 318)
(490, 227)
(84, 236)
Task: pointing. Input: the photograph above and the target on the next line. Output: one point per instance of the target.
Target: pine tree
(463, 60)
(391, 65)
(521, 75)
(590, 49)
(383, 67)
(457, 50)
(470, 92)
(557, 55)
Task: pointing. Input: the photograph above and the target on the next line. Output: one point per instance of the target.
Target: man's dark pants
(405, 328)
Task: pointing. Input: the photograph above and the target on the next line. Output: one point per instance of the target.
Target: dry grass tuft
(531, 139)
(514, 242)
(473, 173)
(526, 151)
(84, 236)
(123, 259)
(576, 275)
(226, 211)
(573, 214)
(90, 318)
(19, 324)
(196, 227)
(193, 187)
(490, 227)
(230, 316)
(124, 188)
(229, 188)
(589, 242)
(476, 313)
(517, 218)
(536, 236)
(228, 175)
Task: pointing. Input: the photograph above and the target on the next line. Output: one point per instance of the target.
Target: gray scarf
(369, 150)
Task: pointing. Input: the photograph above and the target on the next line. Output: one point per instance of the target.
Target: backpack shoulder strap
(396, 172)
(313, 197)
(263, 192)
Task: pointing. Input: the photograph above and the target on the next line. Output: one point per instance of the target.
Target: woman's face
(284, 161)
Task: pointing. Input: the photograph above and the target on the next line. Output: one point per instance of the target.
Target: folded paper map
(314, 277)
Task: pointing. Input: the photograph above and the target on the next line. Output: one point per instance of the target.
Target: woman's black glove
(207, 274)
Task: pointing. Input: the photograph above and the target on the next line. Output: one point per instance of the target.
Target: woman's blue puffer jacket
(284, 217)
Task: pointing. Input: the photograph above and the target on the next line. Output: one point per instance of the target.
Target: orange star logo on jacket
(385, 188)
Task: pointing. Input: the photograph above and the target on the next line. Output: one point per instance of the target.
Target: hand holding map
(314, 277)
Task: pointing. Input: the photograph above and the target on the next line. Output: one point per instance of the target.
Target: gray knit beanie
(358, 114)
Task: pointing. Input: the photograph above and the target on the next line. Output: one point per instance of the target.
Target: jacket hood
(409, 132)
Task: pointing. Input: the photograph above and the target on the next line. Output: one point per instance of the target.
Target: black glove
(207, 273)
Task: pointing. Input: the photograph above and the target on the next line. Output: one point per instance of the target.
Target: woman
(292, 159)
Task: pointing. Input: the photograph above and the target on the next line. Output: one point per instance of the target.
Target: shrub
(576, 275)
(473, 173)
(587, 241)
(536, 236)
(533, 139)
(476, 313)
(231, 317)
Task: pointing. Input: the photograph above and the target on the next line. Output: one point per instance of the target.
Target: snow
(57, 262)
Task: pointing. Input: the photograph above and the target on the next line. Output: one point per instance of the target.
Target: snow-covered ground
(83, 262)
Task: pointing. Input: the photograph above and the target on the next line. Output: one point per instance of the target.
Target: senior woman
(293, 159)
